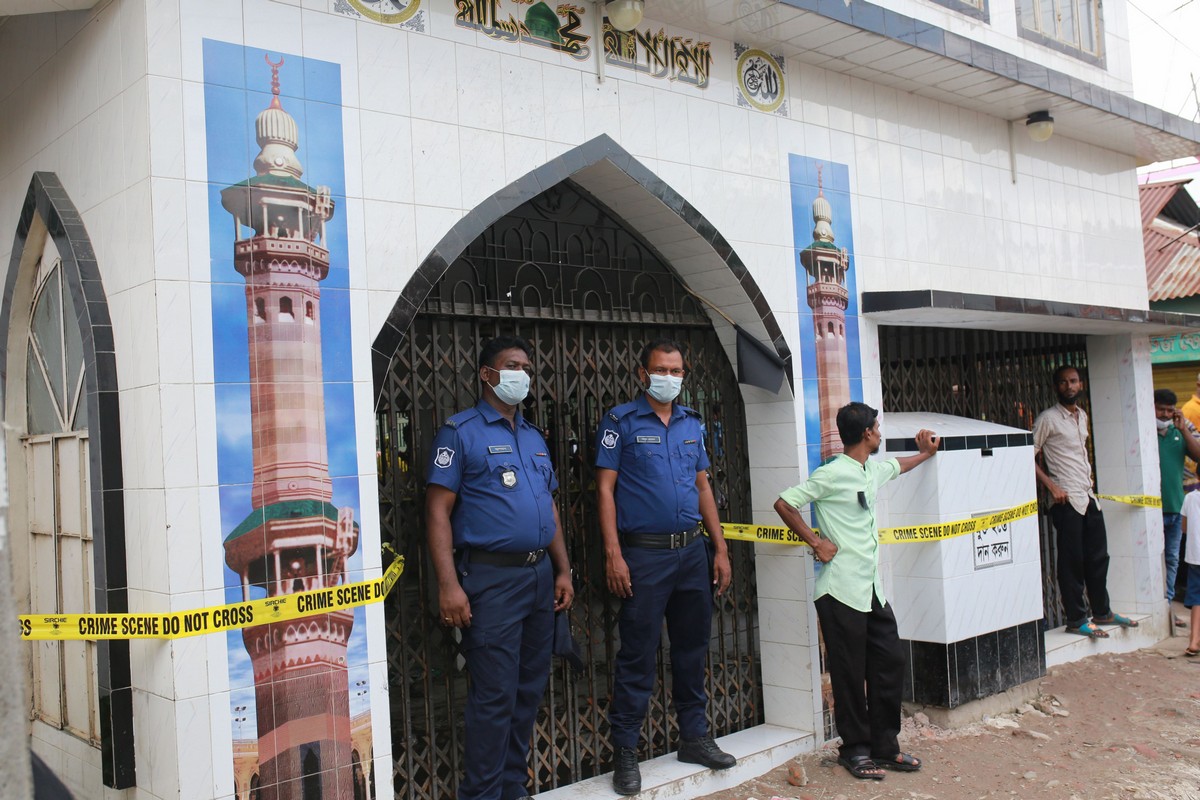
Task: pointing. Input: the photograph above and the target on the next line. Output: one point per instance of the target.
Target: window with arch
(260, 308)
(61, 566)
(285, 309)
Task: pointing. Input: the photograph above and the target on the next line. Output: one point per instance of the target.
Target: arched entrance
(63, 448)
(566, 273)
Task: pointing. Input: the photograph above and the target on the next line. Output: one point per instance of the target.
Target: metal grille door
(563, 273)
(998, 376)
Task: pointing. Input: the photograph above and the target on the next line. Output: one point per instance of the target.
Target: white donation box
(951, 588)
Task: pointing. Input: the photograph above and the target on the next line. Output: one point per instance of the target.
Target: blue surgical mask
(664, 388)
(513, 386)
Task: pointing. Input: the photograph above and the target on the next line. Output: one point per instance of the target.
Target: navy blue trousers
(674, 584)
(1082, 561)
(507, 649)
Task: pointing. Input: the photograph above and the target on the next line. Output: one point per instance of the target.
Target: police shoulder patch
(609, 439)
(444, 457)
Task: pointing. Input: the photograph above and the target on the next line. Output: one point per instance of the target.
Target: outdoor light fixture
(624, 15)
(1040, 126)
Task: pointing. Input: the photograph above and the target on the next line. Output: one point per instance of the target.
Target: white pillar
(1121, 389)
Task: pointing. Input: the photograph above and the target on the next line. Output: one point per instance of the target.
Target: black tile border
(989, 441)
(475, 222)
(926, 36)
(951, 675)
(909, 300)
(48, 200)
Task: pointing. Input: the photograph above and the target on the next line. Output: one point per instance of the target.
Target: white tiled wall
(939, 594)
(434, 123)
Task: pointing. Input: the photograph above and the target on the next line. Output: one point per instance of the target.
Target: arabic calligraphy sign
(557, 29)
(760, 80)
(659, 55)
(405, 13)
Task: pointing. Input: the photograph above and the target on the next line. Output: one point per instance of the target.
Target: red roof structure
(1171, 235)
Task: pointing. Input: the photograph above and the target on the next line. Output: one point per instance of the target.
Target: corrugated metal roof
(1172, 253)
(1172, 261)
(1155, 196)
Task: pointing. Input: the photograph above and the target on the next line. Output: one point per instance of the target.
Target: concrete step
(1063, 647)
(758, 750)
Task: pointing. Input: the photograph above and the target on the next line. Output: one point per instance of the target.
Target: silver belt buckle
(532, 558)
(677, 540)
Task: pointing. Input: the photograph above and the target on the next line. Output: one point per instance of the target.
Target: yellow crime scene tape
(1145, 501)
(214, 619)
(778, 534)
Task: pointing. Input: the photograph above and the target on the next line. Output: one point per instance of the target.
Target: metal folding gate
(998, 376)
(562, 272)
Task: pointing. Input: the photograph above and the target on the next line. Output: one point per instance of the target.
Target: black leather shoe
(627, 777)
(705, 751)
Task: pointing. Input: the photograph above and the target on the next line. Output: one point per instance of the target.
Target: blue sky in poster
(237, 88)
(835, 180)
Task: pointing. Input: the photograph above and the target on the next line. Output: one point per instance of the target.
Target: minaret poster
(828, 299)
(286, 456)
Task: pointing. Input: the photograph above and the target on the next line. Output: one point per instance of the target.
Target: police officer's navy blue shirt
(503, 478)
(657, 465)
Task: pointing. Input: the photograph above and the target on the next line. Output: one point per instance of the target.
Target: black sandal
(901, 762)
(861, 767)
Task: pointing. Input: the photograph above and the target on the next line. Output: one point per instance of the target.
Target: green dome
(543, 23)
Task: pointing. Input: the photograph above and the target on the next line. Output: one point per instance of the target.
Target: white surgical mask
(664, 388)
(513, 386)
(1163, 424)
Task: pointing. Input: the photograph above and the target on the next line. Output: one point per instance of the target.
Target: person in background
(1177, 440)
(1191, 557)
(1061, 462)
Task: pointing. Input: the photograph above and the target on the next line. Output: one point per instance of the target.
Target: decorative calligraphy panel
(407, 14)
(533, 23)
(659, 55)
(760, 80)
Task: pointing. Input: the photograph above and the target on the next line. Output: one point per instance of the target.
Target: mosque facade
(255, 245)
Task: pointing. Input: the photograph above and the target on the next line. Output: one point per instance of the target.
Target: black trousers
(863, 647)
(1082, 561)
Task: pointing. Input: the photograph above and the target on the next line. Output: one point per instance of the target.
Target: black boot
(627, 777)
(705, 751)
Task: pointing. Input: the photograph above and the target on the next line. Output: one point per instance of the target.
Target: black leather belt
(494, 559)
(662, 541)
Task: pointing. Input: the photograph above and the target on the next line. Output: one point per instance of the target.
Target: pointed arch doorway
(564, 272)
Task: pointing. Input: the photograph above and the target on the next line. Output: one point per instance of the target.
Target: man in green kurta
(862, 646)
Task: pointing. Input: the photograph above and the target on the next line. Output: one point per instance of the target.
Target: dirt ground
(1109, 726)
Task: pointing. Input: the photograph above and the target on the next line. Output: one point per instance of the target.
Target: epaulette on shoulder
(691, 412)
(462, 417)
(535, 427)
(620, 411)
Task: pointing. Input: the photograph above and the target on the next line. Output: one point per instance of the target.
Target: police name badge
(508, 478)
(609, 439)
(444, 457)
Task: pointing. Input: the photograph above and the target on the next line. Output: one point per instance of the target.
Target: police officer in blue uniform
(497, 549)
(652, 493)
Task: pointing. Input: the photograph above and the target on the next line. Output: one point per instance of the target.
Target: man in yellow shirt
(1191, 411)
